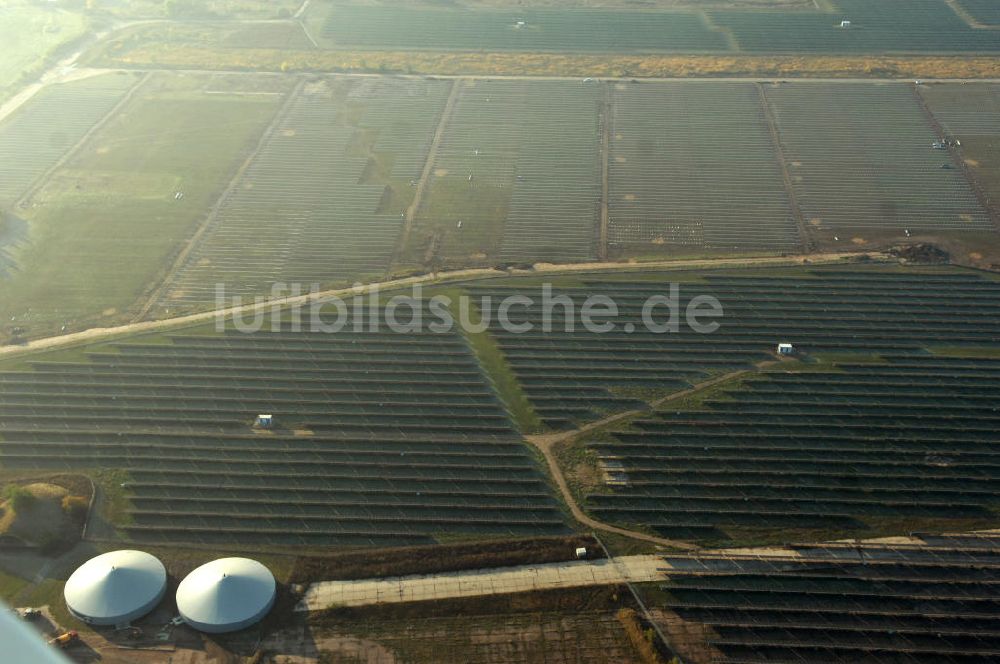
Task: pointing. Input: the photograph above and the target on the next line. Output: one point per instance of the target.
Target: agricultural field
(515, 179)
(132, 191)
(929, 599)
(31, 35)
(694, 165)
(379, 439)
(574, 376)
(325, 197)
(971, 114)
(862, 165)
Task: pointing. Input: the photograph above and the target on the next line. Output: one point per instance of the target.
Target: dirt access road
(99, 334)
(546, 443)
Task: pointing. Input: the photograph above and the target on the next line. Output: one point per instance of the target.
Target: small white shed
(264, 421)
(845, 24)
(581, 552)
(786, 349)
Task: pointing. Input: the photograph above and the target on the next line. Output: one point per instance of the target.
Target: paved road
(475, 583)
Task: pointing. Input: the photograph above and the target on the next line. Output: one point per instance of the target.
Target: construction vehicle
(65, 640)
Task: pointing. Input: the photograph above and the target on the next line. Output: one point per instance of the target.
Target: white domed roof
(226, 595)
(116, 587)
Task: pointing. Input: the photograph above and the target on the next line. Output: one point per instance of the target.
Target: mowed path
(475, 583)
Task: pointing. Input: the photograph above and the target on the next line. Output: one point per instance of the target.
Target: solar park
(340, 179)
(385, 438)
(378, 439)
(931, 598)
(887, 26)
(158, 190)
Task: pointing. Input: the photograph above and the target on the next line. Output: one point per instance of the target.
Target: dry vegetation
(42, 514)
(435, 559)
(642, 639)
(163, 54)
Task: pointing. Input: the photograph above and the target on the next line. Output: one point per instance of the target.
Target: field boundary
(425, 176)
(805, 240)
(956, 158)
(189, 245)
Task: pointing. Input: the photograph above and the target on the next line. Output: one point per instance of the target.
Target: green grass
(31, 34)
(109, 482)
(482, 209)
(496, 367)
(10, 586)
(105, 227)
(966, 351)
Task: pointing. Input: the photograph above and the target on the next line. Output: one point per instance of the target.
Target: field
(693, 164)
(31, 35)
(516, 178)
(882, 443)
(887, 26)
(343, 178)
(380, 439)
(929, 600)
(324, 198)
(543, 30)
(571, 626)
(923, 26)
(49, 126)
(971, 114)
(871, 172)
(116, 194)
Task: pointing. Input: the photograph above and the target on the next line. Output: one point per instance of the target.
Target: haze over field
(435, 331)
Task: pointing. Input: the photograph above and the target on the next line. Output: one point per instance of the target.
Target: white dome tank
(226, 595)
(115, 588)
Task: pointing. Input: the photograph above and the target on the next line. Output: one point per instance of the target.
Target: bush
(642, 640)
(17, 496)
(75, 506)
